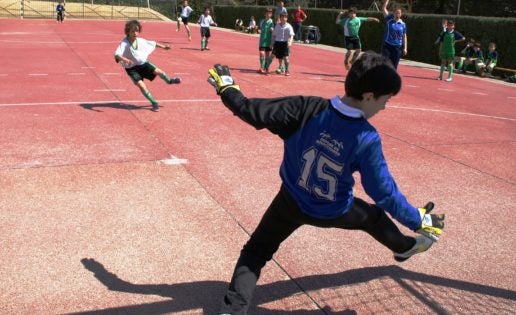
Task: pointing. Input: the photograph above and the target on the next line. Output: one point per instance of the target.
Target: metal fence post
(21, 11)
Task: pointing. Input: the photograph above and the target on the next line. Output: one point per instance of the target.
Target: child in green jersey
(488, 65)
(351, 26)
(265, 42)
(447, 52)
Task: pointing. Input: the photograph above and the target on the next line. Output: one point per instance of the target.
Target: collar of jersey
(345, 109)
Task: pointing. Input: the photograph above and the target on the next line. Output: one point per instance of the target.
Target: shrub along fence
(422, 31)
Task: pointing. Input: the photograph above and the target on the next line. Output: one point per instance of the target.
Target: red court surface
(109, 208)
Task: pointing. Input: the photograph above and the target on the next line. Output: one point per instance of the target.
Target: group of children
(471, 55)
(205, 21)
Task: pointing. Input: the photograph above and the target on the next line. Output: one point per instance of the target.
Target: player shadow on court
(242, 70)
(189, 48)
(418, 77)
(207, 295)
(116, 105)
(324, 74)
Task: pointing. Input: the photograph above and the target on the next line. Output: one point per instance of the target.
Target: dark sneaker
(422, 244)
(176, 80)
(155, 107)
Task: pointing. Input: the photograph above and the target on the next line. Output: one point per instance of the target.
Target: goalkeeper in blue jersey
(325, 142)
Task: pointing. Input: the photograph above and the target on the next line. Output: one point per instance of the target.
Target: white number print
(326, 170)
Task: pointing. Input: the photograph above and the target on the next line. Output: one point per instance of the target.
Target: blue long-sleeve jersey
(325, 142)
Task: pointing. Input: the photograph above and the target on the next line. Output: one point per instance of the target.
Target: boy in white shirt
(282, 38)
(185, 14)
(133, 52)
(206, 21)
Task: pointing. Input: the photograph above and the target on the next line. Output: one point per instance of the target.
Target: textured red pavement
(98, 215)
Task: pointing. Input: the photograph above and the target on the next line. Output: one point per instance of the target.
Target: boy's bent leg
(273, 229)
(166, 78)
(373, 220)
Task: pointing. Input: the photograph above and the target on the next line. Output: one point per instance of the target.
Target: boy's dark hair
(268, 10)
(352, 9)
(372, 73)
(131, 24)
(450, 21)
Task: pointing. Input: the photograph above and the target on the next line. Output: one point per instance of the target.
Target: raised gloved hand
(431, 224)
(221, 79)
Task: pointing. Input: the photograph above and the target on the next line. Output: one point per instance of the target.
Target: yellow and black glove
(221, 79)
(431, 224)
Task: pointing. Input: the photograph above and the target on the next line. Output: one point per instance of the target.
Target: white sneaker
(422, 244)
(439, 78)
(448, 80)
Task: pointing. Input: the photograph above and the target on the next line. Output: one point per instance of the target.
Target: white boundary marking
(110, 90)
(173, 160)
(450, 112)
(447, 90)
(76, 73)
(412, 86)
(108, 102)
(480, 93)
(38, 74)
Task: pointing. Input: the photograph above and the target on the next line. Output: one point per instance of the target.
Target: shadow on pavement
(206, 295)
(116, 105)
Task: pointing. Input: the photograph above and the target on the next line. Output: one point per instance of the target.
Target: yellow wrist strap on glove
(221, 79)
(431, 224)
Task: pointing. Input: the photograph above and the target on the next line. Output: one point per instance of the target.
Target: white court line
(450, 112)
(88, 67)
(514, 97)
(76, 73)
(3, 74)
(447, 90)
(173, 160)
(111, 73)
(38, 74)
(479, 93)
(107, 102)
(412, 86)
(110, 90)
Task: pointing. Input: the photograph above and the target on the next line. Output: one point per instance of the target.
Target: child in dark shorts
(206, 21)
(282, 38)
(133, 52)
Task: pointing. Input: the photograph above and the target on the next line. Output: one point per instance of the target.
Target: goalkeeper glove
(431, 224)
(221, 79)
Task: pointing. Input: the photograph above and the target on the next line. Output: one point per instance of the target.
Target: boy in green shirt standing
(351, 26)
(265, 43)
(448, 39)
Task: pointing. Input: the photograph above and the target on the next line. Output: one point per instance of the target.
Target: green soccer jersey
(448, 41)
(352, 26)
(265, 32)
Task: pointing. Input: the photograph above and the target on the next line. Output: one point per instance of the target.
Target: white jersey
(185, 11)
(282, 33)
(137, 54)
(205, 20)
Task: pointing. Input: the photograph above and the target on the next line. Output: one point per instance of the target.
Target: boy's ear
(368, 96)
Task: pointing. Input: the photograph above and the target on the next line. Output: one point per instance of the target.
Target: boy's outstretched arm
(379, 184)
(384, 7)
(282, 115)
(166, 47)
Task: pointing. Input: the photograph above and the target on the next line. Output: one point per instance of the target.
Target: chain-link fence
(93, 9)
(149, 9)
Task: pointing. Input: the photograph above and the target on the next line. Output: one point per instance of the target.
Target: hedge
(422, 31)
